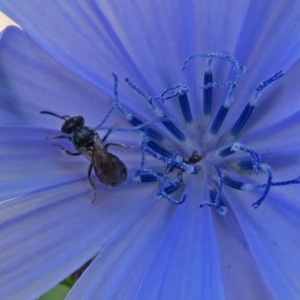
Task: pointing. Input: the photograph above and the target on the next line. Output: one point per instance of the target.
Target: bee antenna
(65, 117)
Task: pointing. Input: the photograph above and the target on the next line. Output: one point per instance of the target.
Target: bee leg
(106, 135)
(62, 136)
(120, 146)
(66, 151)
(91, 182)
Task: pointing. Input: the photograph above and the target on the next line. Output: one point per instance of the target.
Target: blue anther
(233, 183)
(207, 93)
(216, 201)
(185, 108)
(159, 149)
(152, 133)
(221, 209)
(256, 160)
(153, 149)
(167, 187)
(246, 165)
(167, 94)
(239, 124)
(217, 198)
(225, 152)
(218, 120)
(174, 130)
(172, 188)
(148, 177)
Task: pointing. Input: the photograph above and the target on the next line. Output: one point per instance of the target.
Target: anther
(240, 123)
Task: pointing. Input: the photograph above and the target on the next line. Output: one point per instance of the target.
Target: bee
(109, 169)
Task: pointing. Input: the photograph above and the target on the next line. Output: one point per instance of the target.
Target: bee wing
(109, 168)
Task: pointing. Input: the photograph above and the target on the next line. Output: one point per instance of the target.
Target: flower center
(211, 154)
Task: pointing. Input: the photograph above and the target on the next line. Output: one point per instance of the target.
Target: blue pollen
(185, 108)
(207, 93)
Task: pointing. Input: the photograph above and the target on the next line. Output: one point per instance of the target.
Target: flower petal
(271, 233)
(169, 254)
(54, 231)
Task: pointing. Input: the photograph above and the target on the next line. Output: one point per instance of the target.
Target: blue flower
(149, 248)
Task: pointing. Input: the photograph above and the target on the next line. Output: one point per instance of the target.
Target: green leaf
(59, 292)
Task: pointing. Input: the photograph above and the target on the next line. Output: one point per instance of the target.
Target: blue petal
(169, 254)
(271, 236)
(48, 234)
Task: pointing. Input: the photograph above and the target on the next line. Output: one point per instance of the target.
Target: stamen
(157, 148)
(207, 93)
(174, 129)
(239, 68)
(240, 123)
(264, 84)
(172, 187)
(256, 160)
(225, 152)
(222, 207)
(167, 187)
(141, 127)
(248, 186)
(219, 120)
(150, 131)
(267, 169)
(257, 163)
(245, 165)
(172, 92)
(167, 94)
(147, 177)
(208, 84)
(166, 159)
(185, 108)
(237, 185)
(217, 203)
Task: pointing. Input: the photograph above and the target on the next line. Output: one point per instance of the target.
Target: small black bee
(110, 170)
